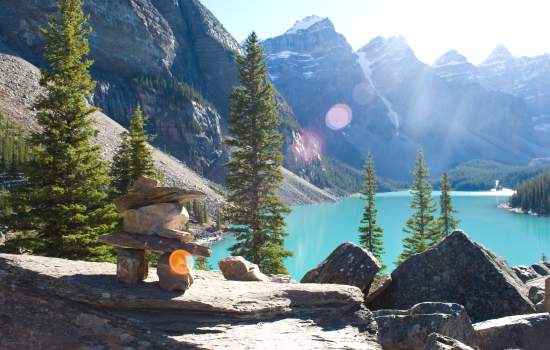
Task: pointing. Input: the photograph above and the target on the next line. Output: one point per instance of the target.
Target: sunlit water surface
(315, 230)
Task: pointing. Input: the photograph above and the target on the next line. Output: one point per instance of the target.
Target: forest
(533, 195)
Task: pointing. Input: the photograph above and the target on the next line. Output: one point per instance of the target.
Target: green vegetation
(172, 89)
(63, 207)
(533, 195)
(421, 226)
(201, 263)
(200, 212)
(255, 211)
(371, 237)
(480, 175)
(14, 150)
(446, 222)
(133, 157)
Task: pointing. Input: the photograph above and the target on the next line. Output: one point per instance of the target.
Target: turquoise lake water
(315, 230)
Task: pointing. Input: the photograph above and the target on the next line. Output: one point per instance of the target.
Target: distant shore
(507, 206)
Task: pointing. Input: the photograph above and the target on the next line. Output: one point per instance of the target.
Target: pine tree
(120, 167)
(219, 219)
(371, 234)
(133, 157)
(446, 222)
(65, 201)
(544, 258)
(255, 211)
(421, 226)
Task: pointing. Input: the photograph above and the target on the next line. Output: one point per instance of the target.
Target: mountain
(323, 80)
(392, 103)
(527, 78)
(453, 122)
(453, 67)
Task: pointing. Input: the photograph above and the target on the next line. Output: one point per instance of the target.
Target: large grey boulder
(440, 342)
(348, 264)
(460, 271)
(529, 332)
(409, 329)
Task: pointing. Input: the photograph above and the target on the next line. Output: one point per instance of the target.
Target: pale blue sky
(432, 27)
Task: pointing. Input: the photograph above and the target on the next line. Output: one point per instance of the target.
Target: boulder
(547, 296)
(440, 342)
(155, 218)
(409, 329)
(536, 294)
(525, 273)
(460, 271)
(132, 266)
(529, 332)
(348, 264)
(541, 269)
(380, 284)
(170, 280)
(237, 268)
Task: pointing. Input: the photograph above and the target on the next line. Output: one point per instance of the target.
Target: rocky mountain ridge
(397, 102)
(19, 88)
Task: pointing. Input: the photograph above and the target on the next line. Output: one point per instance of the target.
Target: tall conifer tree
(446, 222)
(133, 158)
(421, 226)
(371, 237)
(65, 202)
(254, 173)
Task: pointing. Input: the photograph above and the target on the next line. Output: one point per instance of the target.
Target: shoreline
(507, 207)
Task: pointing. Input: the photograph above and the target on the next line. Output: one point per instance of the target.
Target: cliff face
(177, 42)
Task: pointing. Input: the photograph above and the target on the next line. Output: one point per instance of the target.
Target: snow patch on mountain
(365, 66)
(305, 24)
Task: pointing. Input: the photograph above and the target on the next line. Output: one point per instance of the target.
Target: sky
(431, 27)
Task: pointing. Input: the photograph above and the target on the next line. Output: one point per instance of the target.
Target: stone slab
(154, 243)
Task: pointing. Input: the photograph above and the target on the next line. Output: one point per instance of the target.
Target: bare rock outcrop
(214, 314)
(410, 329)
(348, 264)
(515, 332)
(460, 271)
(441, 342)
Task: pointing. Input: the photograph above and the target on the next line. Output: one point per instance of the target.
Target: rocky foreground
(430, 302)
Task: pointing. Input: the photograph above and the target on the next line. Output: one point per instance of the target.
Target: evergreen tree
(420, 227)
(65, 201)
(544, 258)
(446, 222)
(133, 158)
(219, 219)
(371, 234)
(255, 211)
(120, 167)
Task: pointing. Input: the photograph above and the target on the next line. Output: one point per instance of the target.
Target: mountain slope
(19, 88)
(321, 78)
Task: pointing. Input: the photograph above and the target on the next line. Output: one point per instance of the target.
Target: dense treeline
(533, 195)
(480, 175)
(14, 151)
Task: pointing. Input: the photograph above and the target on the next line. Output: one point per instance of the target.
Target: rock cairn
(153, 219)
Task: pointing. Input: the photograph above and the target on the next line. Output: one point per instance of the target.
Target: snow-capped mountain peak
(394, 48)
(305, 24)
(450, 58)
(499, 54)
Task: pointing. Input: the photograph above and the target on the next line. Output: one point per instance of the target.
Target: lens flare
(338, 117)
(179, 262)
(306, 146)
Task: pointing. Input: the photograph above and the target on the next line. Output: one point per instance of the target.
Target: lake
(315, 230)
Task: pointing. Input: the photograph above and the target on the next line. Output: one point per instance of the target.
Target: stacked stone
(153, 218)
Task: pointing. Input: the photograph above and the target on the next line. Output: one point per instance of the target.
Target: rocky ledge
(81, 305)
